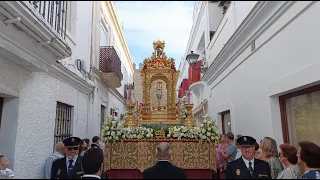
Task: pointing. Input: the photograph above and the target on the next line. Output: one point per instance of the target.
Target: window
(226, 122)
(300, 114)
(112, 111)
(63, 123)
(69, 18)
(102, 117)
(1, 107)
(104, 33)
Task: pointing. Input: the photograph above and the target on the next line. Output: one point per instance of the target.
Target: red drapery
(136, 174)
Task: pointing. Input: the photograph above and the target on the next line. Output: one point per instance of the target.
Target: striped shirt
(49, 161)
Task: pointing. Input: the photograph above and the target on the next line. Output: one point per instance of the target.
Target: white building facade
(262, 78)
(112, 65)
(48, 86)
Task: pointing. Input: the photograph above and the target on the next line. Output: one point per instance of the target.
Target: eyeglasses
(72, 148)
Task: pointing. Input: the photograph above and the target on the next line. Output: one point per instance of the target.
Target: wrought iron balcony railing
(54, 13)
(110, 61)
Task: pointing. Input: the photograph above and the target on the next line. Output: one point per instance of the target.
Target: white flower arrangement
(115, 131)
(207, 130)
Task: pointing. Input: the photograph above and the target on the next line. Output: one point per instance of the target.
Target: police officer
(247, 167)
(68, 167)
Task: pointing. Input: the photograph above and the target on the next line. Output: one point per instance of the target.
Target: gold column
(189, 120)
(130, 122)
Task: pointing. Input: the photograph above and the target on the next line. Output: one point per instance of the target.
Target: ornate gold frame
(159, 67)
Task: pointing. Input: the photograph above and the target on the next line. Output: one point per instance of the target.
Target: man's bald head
(60, 148)
(163, 151)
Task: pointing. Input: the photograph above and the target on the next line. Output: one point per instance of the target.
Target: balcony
(44, 21)
(110, 66)
(127, 86)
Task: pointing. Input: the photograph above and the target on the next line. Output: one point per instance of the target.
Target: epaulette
(58, 159)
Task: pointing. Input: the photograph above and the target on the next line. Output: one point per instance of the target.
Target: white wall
(108, 36)
(281, 62)
(115, 40)
(29, 114)
(234, 16)
(208, 17)
(100, 98)
(214, 15)
(200, 27)
(37, 96)
(83, 32)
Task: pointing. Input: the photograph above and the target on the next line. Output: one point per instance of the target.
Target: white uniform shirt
(74, 161)
(247, 163)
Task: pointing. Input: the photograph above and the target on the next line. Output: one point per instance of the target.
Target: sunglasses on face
(72, 148)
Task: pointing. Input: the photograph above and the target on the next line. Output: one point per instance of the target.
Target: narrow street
(69, 68)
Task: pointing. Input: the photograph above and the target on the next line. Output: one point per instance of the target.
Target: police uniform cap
(72, 142)
(246, 141)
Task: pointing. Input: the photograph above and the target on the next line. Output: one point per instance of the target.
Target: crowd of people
(239, 157)
(234, 153)
(71, 159)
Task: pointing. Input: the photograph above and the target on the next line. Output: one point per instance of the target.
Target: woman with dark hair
(309, 157)
(288, 157)
(87, 141)
(83, 147)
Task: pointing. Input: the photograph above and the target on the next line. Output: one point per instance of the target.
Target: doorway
(226, 121)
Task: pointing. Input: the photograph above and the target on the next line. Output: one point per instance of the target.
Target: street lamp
(192, 60)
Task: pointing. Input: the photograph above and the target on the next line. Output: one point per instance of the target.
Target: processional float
(160, 69)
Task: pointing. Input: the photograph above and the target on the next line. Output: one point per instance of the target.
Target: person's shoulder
(50, 158)
(80, 157)
(148, 172)
(261, 162)
(59, 160)
(148, 169)
(177, 168)
(234, 163)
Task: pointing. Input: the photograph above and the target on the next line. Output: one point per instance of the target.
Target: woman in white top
(288, 157)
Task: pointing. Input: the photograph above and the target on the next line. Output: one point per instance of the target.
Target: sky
(147, 21)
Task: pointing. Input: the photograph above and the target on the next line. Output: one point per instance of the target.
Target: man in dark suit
(92, 163)
(163, 169)
(247, 167)
(68, 167)
(95, 142)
